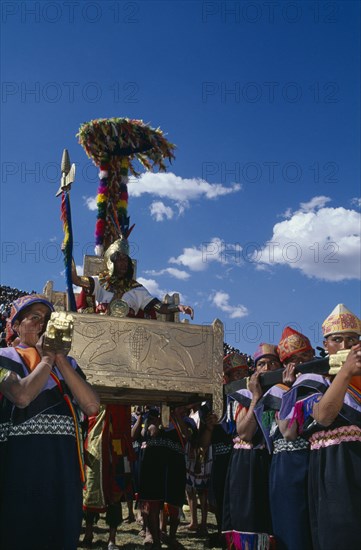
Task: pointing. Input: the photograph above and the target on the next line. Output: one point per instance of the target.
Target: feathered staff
(113, 144)
(67, 178)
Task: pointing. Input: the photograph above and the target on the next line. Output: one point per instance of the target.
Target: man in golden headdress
(116, 292)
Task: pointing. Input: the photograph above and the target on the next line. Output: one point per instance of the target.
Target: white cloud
(356, 201)
(173, 188)
(172, 271)
(287, 213)
(152, 286)
(168, 185)
(90, 202)
(159, 211)
(216, 250)
(221, 300)
(313, 204)
(320, 242)
(79, 270)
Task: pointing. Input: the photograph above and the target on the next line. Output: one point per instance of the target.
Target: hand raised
(352, 364)
(188, 310)
(254, 386)
(44, 353)
(289, 374)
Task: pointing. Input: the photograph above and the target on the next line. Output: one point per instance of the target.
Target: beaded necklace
(116, 285)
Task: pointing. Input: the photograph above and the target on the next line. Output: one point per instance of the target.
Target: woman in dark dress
(41, 472)
(162, 476)
(218, 434)
(246, 512)
(290, 459)
(329, 408)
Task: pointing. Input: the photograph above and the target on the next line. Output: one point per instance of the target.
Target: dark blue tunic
(40, 486)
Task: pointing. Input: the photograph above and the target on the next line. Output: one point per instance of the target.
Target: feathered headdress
(113, 144)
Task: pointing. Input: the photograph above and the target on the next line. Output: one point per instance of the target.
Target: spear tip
(65, 162)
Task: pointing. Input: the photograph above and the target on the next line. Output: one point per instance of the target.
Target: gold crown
(121, 246)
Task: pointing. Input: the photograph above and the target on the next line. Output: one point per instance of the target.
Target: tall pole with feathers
(114, 144)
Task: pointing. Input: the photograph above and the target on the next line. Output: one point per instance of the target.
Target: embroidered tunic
(246, 513)
(137, 298)
(40, 486)
(334, 472)
(288, 478)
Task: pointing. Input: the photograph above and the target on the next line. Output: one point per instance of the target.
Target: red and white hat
(292, 342)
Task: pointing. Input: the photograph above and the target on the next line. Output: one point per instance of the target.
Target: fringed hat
(263, 350)
(120, 246)
(233, 361)
(341, 320)
(292, 342)
(25, 301)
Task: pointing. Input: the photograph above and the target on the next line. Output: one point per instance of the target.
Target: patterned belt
(335, 437)
(159, 442)
(41, 424)
(4, 431)
(281, 445)
(240, 444)
(221, 448)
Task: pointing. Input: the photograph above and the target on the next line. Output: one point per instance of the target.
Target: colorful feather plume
(68, 247)
(113, 144)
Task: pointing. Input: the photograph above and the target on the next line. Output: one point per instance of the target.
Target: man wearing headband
(41, 469)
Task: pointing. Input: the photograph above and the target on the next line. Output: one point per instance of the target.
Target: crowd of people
(280, 469)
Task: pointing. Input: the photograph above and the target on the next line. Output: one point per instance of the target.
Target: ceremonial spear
(67, 178)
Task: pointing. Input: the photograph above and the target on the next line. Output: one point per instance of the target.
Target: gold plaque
(337, 360)
(118, 308)
(59, 332)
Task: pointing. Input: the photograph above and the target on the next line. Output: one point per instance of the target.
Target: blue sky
(257, 221)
